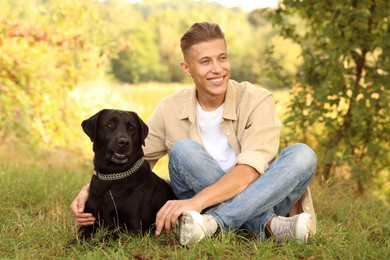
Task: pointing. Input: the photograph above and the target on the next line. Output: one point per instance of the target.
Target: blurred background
(327, 63)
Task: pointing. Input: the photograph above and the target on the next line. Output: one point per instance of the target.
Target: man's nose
(216, 67)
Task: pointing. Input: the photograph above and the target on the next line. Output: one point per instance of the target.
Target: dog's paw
(72, 243)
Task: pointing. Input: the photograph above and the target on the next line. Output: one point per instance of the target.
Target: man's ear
(184, 67)
(90, 126)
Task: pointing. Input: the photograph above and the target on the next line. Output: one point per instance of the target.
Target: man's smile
(216, 81)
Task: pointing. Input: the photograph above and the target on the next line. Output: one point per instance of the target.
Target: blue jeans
(192, 169)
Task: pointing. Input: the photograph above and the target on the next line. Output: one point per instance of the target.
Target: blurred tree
(45, 51)
(277, 57)
(167, 20)
(340, 95)
(48, 47)
(141, 61)
(167, 31)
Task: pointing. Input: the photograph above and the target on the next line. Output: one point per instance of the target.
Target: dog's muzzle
(121, 150)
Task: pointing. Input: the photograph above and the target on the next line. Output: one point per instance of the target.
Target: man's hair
(200, 32)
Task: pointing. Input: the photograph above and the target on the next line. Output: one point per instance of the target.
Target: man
(222, 138)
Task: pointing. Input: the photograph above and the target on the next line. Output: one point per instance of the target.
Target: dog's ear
(90, 126)
(144, 129)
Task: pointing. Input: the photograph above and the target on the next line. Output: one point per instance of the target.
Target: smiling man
(208, 65)
(222, 138)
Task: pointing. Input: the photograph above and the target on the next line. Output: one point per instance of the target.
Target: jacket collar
(229, 110)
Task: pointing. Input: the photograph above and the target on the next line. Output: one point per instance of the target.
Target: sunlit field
(142, 99)
(90, 98)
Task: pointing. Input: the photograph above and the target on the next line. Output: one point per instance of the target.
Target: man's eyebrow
(204, 58)
(219, 55)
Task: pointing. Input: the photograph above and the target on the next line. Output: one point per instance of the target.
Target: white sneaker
(291, 228)
(192, 227)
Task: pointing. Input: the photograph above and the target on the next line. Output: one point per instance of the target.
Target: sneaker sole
(189, 230)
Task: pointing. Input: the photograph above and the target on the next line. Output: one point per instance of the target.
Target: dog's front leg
(85, 233)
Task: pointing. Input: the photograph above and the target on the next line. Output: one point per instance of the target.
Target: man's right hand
(77, 207)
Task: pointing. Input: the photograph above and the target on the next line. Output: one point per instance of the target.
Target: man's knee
(304, 157)
(184, 149)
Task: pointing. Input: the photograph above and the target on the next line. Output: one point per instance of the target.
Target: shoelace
(285, 225)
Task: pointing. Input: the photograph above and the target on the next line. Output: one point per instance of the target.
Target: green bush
(340, 95)
(40, 62)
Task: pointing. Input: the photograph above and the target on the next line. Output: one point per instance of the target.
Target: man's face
(209, 67)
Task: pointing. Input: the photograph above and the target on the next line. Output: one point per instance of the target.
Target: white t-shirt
(214, 140)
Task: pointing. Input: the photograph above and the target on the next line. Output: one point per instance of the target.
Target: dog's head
(117, 138)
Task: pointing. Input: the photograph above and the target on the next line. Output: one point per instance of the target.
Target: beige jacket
(249, 122)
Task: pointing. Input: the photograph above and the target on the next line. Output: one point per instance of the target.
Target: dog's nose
(123, 142)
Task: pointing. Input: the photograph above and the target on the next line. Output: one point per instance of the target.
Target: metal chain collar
(120, 175)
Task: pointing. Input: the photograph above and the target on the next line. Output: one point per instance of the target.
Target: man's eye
(223, 58)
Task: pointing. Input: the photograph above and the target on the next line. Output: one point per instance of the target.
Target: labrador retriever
(124, 192)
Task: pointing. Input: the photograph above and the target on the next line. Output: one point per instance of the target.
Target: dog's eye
(130, 127)
(109, 126)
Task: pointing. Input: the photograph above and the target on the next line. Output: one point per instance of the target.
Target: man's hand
(77, 207)
(171, 211)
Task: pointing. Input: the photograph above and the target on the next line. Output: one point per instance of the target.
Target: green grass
(36, 223)
(37, 187)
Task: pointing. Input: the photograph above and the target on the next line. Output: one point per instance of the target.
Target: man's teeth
(216, 80)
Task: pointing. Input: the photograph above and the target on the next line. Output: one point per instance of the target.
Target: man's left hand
(171, 211)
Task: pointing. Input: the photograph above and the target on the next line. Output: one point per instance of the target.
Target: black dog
(124, 192)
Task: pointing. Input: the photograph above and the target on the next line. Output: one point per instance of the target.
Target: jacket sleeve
(260, 132)
(155, 147)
